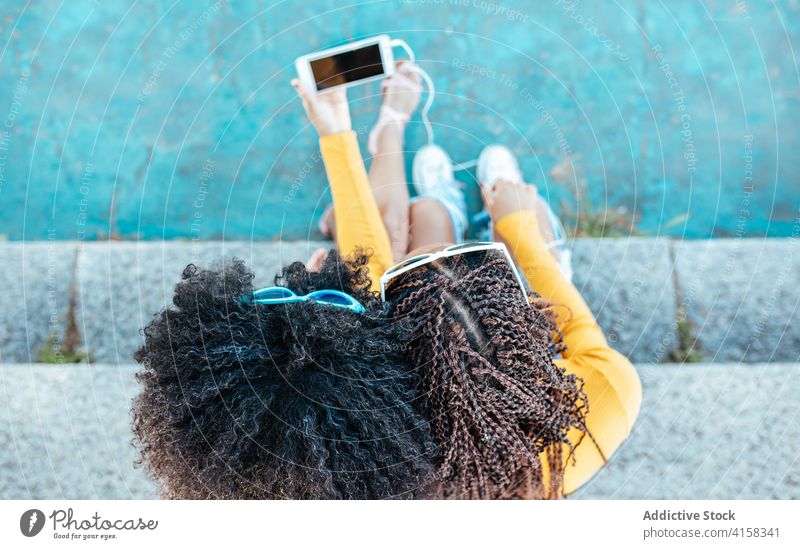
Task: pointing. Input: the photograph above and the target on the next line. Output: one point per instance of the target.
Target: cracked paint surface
(158, 119)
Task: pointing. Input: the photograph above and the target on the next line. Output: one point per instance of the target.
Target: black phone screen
(348, 66)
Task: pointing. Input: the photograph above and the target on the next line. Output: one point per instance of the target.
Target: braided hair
(495, 399)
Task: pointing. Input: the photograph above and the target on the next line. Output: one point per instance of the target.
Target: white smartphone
(347, 65)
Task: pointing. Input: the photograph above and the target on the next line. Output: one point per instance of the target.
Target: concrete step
(656, 299)
(705, 431)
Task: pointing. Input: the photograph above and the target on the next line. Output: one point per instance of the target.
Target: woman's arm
(358, 220)
(611, 383)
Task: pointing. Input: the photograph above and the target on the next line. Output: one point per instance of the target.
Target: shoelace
(436, 172)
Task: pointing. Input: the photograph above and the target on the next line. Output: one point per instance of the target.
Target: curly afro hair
(241, 400)
(496, 401)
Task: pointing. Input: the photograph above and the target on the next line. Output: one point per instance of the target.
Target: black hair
(241, 400)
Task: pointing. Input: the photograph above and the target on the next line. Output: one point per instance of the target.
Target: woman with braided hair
(524, 396)
(422, 369)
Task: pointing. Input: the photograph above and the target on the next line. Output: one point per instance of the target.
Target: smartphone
(343, 66)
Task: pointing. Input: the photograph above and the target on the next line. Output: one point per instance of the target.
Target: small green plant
(687, 349)
(55, 351)
(584, 220)
(602, 223)
(67, 349)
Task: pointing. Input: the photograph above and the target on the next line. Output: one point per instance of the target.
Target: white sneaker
(432, 167)
(432, 175)
(498, 162)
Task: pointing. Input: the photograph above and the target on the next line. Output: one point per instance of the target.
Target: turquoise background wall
(156, 119)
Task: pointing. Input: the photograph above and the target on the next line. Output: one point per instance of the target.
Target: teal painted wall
(158, 119)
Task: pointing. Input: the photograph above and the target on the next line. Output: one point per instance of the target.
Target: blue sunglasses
(278, 294)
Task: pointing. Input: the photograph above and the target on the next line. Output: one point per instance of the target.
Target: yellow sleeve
(612, 386)
(358, 221)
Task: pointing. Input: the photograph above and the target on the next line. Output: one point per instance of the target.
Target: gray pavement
(742, 297)
(739, 297)
(705, 431)
(123, 284)
(35, 278)
(720, 431)
(628, 284)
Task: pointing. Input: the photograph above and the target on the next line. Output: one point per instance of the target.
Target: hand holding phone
(328, 112)
(347, 65)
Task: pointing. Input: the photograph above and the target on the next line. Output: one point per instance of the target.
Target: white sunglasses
(457, 249)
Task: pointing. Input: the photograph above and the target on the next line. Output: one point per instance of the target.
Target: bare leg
(387, 173)
(430, 225)
(387, 176)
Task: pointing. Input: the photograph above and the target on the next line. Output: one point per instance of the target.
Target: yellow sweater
(611, 383)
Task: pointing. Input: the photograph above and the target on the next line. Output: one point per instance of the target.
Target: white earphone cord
(429, 101)
(554, 221)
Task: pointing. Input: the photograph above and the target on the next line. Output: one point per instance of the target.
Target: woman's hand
(507, 197)
(328, 111)
(314, 263)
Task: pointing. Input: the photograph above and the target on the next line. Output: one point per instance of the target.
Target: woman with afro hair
(464, 371)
